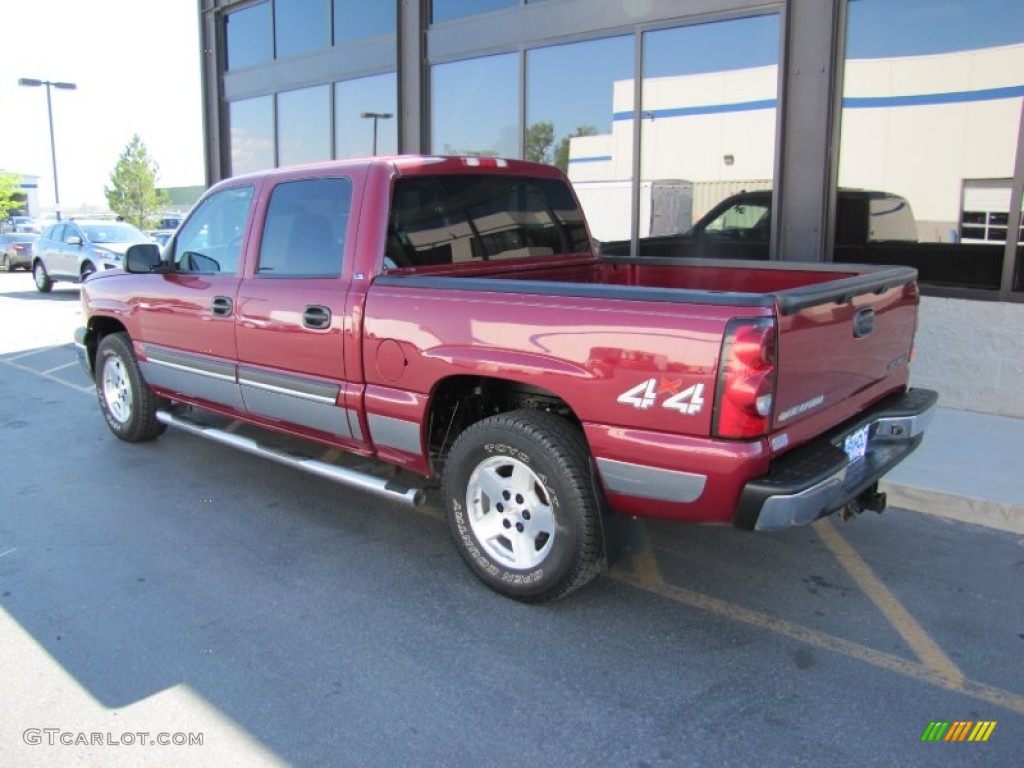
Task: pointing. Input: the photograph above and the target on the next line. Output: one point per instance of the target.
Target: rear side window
(305, 228)
(453, 219)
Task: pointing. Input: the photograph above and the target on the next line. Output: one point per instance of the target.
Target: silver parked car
(72, 250)
(16, 250)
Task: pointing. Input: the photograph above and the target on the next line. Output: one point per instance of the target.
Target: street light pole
(375, 116)
(33, 83)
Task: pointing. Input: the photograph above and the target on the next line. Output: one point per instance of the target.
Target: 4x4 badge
(644, 395)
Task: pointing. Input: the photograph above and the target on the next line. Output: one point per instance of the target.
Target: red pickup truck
(450, 316)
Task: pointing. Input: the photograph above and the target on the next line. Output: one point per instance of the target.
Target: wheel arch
(97, 329)
(459, 401)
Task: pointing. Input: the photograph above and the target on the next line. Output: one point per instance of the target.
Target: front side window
(305, 229)
(743, 221)
(441, 220)
(210, 242)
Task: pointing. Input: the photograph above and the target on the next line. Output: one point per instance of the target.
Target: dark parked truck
(449, 316)
(739, 227)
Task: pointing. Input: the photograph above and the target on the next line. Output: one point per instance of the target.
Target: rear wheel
(127, 403)
(43, 282)
(521, 505)
(5, 264)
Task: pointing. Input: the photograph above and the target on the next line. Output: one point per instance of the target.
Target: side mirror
(142, 258)
(74, 240)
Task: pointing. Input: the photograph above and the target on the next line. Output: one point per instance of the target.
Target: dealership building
(700, 99)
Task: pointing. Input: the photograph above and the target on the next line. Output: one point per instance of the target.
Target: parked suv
(72, 250)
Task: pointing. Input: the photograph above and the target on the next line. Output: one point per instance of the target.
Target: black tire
(127, 403)
(540, 537)
(5, 265)
(87, 269)
(42, 280)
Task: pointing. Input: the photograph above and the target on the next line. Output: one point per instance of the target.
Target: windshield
(113, 233)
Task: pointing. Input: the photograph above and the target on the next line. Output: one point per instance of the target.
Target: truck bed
(828, 370)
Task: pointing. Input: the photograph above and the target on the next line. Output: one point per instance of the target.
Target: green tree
(11, 196)
(562, 150)
(132, 192)
(539, 138)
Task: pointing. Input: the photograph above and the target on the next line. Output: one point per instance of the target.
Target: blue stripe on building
(854, 102)
(925, 99)
(594, 159)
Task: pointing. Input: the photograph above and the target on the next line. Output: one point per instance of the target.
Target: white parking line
(87, 389)
(60, 367)
(27, 354)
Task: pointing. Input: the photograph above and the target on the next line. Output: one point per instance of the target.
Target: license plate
(856, 445)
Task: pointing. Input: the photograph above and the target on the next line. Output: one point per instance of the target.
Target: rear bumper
(818, 479)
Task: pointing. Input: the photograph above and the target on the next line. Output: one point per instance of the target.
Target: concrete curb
(985, 512)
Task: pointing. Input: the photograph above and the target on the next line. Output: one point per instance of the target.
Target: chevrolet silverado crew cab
(448, 316)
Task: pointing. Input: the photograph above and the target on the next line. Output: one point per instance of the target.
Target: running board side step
(389, 489)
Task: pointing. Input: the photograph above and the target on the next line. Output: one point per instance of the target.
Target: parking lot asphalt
(180, 588)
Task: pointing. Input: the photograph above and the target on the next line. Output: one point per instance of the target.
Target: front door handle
(316, 317)
(222, 306)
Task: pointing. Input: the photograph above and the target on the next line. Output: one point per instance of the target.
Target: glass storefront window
(573, 93)
(252, 134)
(303, 126)
(475, 107)
(358, 20)
(707, 123)
(248, 34)
(376, 97)
(931, 111)
(301, 25)
(446, 10)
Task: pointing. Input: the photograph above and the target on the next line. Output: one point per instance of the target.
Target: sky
(136, 64)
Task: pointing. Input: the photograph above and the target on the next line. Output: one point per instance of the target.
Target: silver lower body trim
(650, 482)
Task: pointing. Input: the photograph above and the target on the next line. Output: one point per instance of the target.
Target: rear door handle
(222, 306)
(316, 317)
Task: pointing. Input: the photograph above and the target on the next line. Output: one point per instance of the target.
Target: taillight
(746, 379)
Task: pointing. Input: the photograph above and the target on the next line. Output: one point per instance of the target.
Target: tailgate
(841, 347)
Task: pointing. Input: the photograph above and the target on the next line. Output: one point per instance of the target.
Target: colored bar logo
(958, 730)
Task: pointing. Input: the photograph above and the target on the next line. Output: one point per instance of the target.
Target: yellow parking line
(644, 574)
(899, 617)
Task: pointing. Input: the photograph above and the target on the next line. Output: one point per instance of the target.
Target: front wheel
(43, 282)
(521, 505)
(127, 403)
